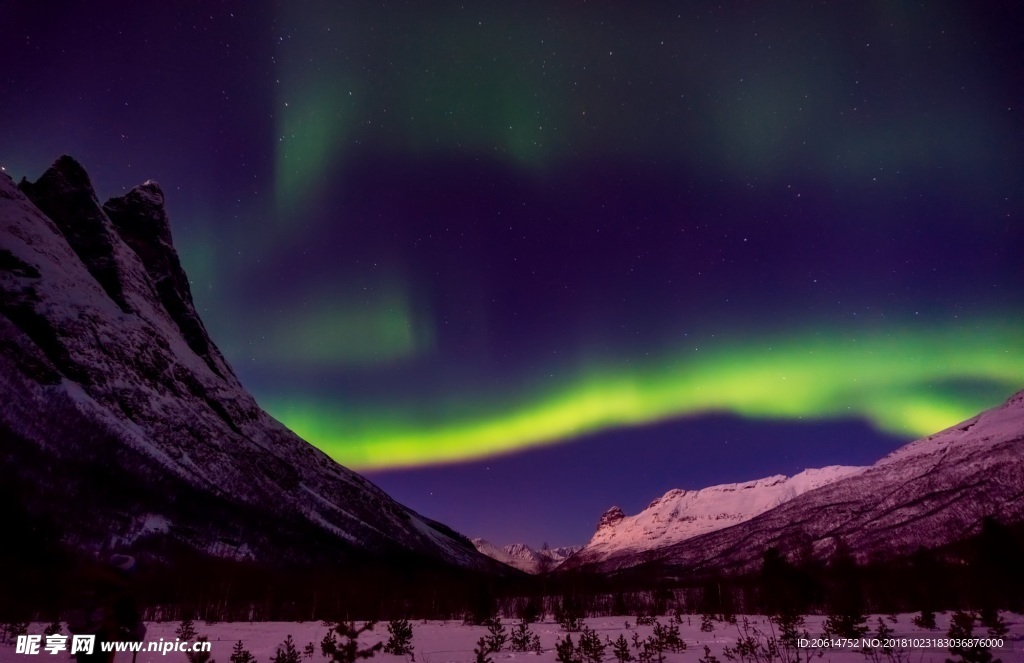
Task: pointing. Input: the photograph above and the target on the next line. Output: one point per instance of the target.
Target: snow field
(453, 642)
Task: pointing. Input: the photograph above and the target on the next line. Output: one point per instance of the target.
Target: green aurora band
(490, 81)
(906, 382)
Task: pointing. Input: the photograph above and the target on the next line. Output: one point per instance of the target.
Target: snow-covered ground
(453, 642)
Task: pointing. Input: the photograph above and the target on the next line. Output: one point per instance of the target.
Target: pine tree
(620, 650)
(287, 652)
(652, 650)
(523, 639)
(791, 629)
(399, 638)
(926, 620)
(644, 654)
(668, 637)
(707, 623)
(961, 629)
(309, 650)
(751, 644)
(995, 624)
(341, 644)
(241, 655)
(497, 636)
(565, 651)
(852, 625)
(591, 649)
(884, 651)
(186, 630)
(481, 652)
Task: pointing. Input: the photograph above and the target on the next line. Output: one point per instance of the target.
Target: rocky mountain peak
(140, 214)
(610, 517)
(140, 219)
(64, 193)
(65, 176)
(520, 550)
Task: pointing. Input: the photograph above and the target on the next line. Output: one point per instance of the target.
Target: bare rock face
(141, 221)
(65, 194)
(122, 423)
(610, 517)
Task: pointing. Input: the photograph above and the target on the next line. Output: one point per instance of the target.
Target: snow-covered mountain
(525, 558)
(122, 423)
(929, 493)
(683, 514)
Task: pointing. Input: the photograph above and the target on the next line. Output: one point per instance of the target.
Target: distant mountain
(930, 493)
(683, 514)
(525, 558)
(123, 425)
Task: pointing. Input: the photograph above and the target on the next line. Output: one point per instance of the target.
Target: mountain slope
(683, 514)
(929, 493)
(123, 423)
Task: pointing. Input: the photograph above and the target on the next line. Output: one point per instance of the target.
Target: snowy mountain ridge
(525, 558)
(929, 493)
(683, 514)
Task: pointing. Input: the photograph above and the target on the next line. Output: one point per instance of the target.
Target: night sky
(522, 261)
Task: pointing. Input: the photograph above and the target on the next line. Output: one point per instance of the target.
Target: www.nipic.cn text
(86, 644)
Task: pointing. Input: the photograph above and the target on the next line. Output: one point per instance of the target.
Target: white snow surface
(1003, 422)
(453, 642)
(683, 514)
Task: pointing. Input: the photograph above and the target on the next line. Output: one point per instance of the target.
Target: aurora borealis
(449, 243)
(891, 381)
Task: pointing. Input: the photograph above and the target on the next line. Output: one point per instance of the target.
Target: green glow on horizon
(905, 382)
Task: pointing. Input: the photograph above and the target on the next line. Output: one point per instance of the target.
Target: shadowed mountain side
(122, 421)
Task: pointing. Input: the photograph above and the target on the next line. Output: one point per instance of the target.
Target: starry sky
(519, 262)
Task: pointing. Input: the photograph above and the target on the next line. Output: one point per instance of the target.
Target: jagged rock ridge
(141, 221)
(123, 424)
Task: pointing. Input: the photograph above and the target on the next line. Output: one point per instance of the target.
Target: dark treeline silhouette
(983, 573)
